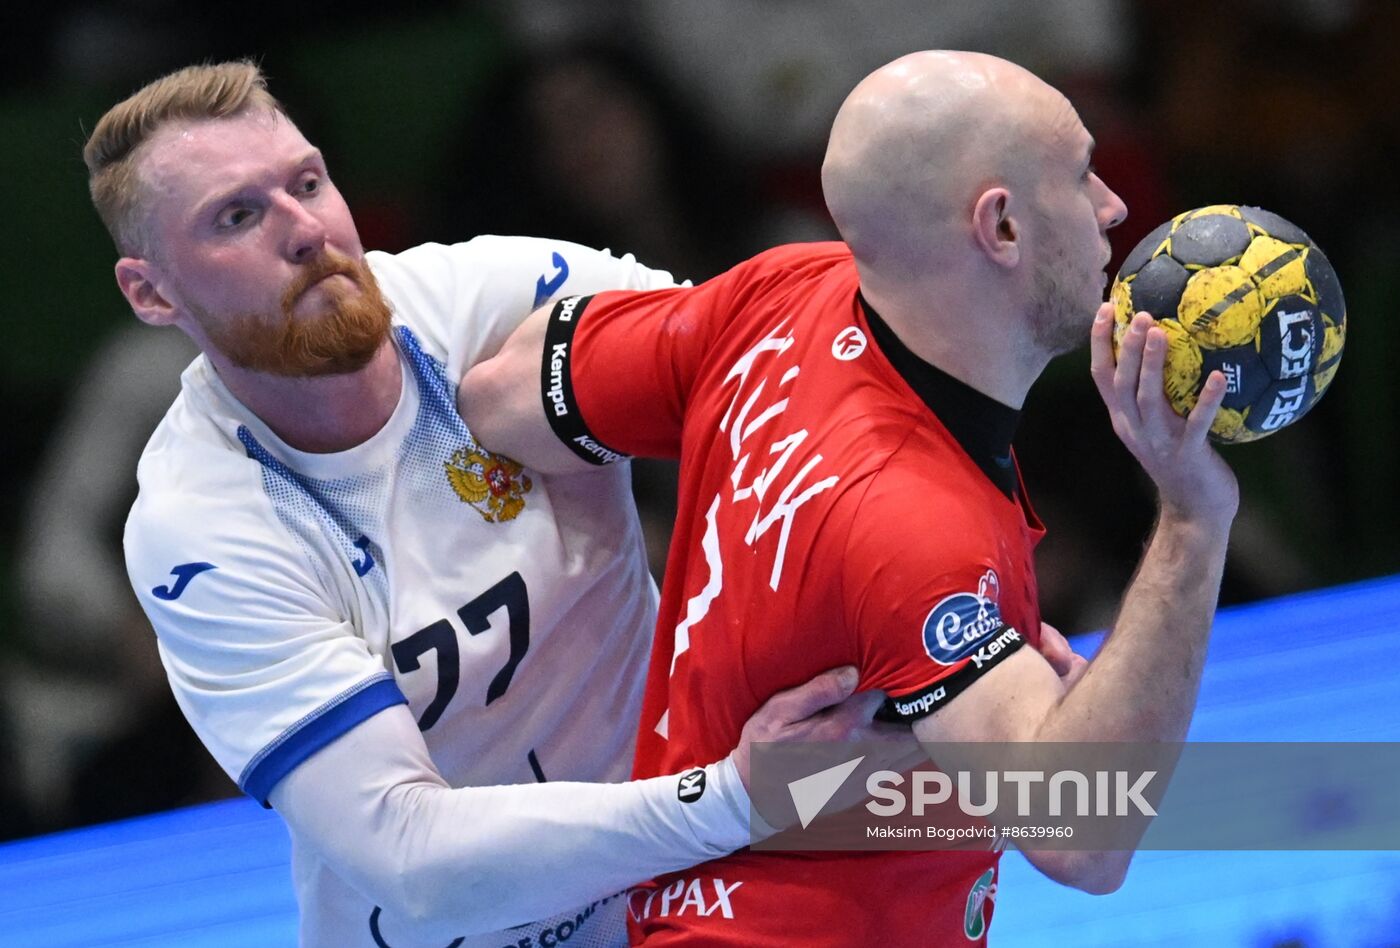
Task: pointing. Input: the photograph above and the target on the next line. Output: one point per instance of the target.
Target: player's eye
(309, 185)
(1090, 172)
(232, 216)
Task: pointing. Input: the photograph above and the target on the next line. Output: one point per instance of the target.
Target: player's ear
(138, 281)
(995, 229)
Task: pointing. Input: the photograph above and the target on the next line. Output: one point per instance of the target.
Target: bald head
(919, 139)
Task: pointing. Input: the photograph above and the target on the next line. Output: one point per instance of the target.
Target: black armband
(560, 406)
(909, 708)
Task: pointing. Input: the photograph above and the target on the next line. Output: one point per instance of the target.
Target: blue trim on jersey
(433, 385)
(348, 512)
(315, 731)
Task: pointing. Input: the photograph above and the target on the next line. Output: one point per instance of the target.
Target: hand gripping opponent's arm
(296, 706)
(443, 862)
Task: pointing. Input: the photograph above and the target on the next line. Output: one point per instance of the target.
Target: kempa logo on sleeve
(921, 705)
(989, 653)
(604, 455)
(691, 786)
(995, 647)
(558, 356)
(559, 335)
(566, 309)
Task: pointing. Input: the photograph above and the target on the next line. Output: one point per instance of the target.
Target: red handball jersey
(826, 517)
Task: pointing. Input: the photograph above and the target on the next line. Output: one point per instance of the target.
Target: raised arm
(1142, 685)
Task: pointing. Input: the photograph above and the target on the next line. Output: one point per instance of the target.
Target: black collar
(982, 426)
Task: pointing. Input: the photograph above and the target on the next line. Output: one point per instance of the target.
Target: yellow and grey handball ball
(1244, 291)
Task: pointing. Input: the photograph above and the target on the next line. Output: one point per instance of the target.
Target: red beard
(338, 339)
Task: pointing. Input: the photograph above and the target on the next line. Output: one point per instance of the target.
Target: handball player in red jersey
(843, 414)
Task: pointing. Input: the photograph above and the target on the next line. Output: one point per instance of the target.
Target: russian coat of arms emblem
(494, 485)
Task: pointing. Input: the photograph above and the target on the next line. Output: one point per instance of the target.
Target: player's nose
(306, 233)
(1112, 210)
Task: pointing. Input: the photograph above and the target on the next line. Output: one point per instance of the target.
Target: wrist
(1203, 518)
(718, 809)
(727, 777)
(1201, 530)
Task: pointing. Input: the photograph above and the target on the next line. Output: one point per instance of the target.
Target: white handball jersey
(295, 595)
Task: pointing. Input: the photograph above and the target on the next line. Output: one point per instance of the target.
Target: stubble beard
(338, 339)
(1062, 310)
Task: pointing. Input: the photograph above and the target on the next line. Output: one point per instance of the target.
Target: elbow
(418, 905)
(1103, 878)
(406, 893)
(478, 391)
(401, 906)
(414, 904)
(1097, 873)
(494, 409)
(423, 894)
(500, 411)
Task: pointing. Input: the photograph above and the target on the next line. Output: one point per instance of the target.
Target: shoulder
(761, 280)
(195, 450)
(924, 535)
(817, 254)
(199, 490)
(793, 276)
(195, 496)
(456, 298)
(216, 569)
(465, 299)
(539, 267)
(792, 262)
(432, 266)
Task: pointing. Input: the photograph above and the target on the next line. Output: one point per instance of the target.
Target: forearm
(482, 859)
(445, 862)
(1142, 685)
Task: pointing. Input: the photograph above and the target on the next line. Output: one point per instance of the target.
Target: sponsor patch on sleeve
(560, 406)
(959, 624)
(1003, 641)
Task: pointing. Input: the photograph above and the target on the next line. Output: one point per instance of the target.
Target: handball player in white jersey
(426, 658)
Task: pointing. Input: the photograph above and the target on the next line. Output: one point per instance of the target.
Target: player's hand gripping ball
(1240, 290)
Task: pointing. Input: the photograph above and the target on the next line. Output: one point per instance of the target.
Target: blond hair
(113, 149)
